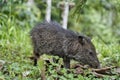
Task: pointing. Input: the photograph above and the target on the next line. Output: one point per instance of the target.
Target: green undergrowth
(16, 48)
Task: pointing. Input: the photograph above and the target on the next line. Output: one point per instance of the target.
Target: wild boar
(50, 38)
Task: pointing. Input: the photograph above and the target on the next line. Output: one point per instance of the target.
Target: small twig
(103, 70)
(98, 75)
(43, 74)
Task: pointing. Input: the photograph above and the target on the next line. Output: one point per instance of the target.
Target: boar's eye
(91, 53)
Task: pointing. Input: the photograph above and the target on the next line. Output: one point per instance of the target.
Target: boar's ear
(81, 40)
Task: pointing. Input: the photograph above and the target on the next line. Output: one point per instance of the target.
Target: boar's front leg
(66, 62)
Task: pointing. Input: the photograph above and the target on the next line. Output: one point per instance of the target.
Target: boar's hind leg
(36, 56)
(66, 61)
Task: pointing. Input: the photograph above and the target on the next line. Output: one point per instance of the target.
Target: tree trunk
(65, 15)
(48, 10)
(30, 3)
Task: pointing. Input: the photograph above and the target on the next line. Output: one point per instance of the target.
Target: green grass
(16, 48)
(109, 54)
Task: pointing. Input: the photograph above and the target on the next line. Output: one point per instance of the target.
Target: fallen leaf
(1, 64)
(118, 70)
(26, 73)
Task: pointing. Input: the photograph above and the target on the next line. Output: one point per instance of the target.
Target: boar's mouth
(82, 61)
(94, 64)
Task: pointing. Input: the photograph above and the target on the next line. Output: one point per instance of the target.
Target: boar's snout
(96, 65)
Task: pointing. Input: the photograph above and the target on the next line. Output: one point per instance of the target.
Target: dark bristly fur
(52, 39)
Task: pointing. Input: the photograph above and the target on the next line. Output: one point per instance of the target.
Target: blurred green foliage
(99, 19)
